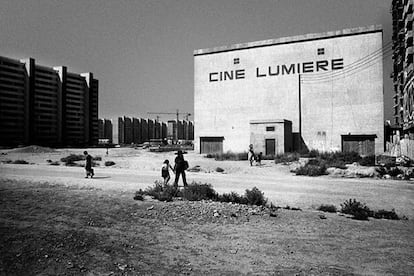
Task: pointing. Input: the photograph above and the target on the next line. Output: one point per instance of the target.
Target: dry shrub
(327, 208)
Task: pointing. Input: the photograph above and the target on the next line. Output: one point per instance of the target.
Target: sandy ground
(136, 169)
(55, 222)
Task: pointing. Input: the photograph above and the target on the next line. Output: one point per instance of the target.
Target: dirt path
(72, 230)
(279, 186)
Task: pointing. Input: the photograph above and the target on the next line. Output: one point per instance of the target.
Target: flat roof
(290, 39)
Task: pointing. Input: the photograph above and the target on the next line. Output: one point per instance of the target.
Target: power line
(357, 65)
(370, 56)
(349, 71)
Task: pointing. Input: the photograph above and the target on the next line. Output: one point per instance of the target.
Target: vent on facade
(321, 51)
(272, 128)
(236, 61)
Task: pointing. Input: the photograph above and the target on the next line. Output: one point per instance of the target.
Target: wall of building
(260, 81)
(403, 69)
(14, 102)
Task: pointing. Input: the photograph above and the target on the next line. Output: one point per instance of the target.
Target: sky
(142, 51)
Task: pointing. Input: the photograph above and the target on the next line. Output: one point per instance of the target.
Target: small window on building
(271, 128)
(236, 61)
(321, 51)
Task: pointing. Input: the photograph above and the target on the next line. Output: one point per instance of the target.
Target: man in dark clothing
(88, 165)
(179, 168)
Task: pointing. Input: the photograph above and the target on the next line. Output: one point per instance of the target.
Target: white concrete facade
(341, 88)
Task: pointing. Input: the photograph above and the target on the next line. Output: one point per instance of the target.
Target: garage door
(211, 144)
(362, 144)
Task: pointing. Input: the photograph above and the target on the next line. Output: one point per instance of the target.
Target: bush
(228, 156)
(161, 192)
(71, 159)
(218, 169)
(367, 160)
(357, 209)
(383, 214)
(24, 162)
(394, 171)
(139, 195)
(255, 197)
(286, 158)
(97, 158)
(54, 163)
(197, 191)
(327, 208)
(311, 170)
(233, 197)
(109, 163)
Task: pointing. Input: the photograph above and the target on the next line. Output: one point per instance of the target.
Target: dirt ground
(55, 222)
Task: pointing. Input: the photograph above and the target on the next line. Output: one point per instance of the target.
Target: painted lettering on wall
(277, 70)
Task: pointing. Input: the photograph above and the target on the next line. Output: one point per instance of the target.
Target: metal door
(270, 146)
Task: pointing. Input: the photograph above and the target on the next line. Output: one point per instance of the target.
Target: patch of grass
(109, 163)
(327, 208)
(23, 162)
(198, 191)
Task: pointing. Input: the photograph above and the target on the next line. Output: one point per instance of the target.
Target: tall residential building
(53, 107)
(138, 130)
(402, 19)
(105, 129)
(14, 102)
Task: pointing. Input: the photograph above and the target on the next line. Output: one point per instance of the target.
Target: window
(270, 128)
(236, 61)
(321, 51)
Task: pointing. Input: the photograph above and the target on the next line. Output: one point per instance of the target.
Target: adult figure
(250, 154)
(88, 165)
(179, 168)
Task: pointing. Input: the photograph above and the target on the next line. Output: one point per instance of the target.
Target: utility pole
(300, 115)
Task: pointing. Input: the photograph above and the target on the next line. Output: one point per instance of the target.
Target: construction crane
(186, 114)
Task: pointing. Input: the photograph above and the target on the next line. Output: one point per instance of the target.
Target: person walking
(250, 155)
(179, 168)
(165, 171)
(88, 165)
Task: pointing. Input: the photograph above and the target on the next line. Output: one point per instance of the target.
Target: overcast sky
(142, 51)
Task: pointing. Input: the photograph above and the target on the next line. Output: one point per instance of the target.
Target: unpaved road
(279, 186)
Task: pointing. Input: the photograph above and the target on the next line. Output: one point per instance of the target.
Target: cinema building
(317, 91)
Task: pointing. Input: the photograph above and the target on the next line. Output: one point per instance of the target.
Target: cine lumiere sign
(277, 70)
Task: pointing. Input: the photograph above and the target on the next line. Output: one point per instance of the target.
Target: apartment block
(53, 107)
(402, 19)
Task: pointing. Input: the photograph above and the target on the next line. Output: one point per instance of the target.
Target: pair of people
(251, 156)
(179, 169)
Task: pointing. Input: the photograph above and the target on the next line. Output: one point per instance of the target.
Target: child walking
(165, 171)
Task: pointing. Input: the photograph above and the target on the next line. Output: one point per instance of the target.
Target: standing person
(250, 154)
(179, 168)
(88, 165)
(165, 171)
